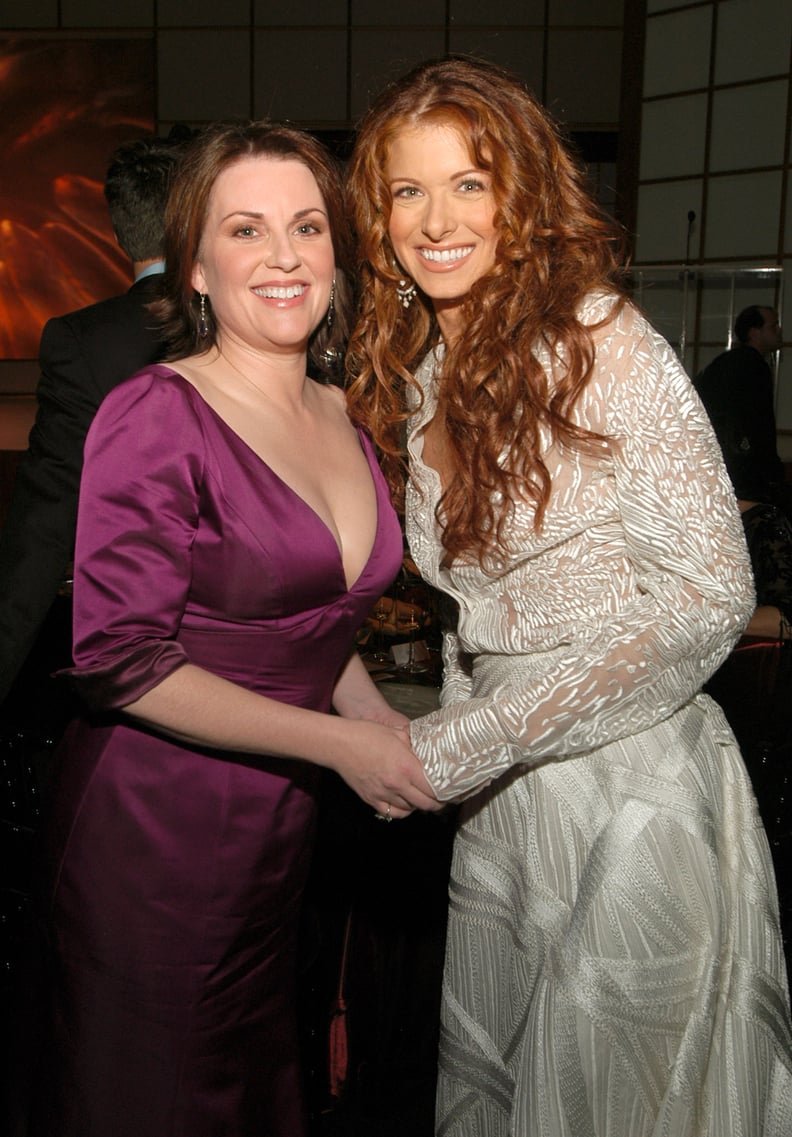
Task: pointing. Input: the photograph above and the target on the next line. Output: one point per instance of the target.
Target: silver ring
(386, 816)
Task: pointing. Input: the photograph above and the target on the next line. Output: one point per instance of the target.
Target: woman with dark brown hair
(234, 531)
(614, 966)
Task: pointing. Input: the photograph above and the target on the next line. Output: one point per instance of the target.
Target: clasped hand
(382, 769)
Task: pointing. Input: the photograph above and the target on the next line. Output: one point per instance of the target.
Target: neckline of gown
(348, 588)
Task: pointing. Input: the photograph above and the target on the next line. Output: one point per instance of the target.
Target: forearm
(205, 710)
(769, 622)
(371, 756)
(356, 696)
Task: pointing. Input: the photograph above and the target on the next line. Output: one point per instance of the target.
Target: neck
(280, 379)
(449, 320)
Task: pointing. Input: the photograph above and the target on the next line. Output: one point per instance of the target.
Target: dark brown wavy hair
(555, 246)
(206, 157)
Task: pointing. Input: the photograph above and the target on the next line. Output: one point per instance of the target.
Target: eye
(311, 225)
(245, 231)
(472, 185)
(406, 192)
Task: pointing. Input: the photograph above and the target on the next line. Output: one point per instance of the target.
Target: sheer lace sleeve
(617, 613)
(456, 671)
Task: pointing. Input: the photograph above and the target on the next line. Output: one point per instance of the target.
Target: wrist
(365, 703)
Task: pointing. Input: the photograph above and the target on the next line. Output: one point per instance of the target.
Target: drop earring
(405, 290)
(331, 307)
(203, 327)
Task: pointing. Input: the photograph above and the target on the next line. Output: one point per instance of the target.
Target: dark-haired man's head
(758, 327)
(136, 189)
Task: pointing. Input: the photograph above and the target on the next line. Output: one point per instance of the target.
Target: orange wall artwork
(66, 106)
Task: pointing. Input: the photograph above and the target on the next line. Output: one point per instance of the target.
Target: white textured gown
(614, 964)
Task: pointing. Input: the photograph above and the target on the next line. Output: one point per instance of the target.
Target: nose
(438, 219)
(282, 253)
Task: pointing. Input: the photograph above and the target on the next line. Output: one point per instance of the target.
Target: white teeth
(444, 256)
(281, 293)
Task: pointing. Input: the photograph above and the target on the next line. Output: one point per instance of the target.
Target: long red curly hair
(555, 246)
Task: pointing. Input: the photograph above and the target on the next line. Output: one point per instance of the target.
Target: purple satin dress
(177, 873)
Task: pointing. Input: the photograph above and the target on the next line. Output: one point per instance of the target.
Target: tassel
(338, 1037)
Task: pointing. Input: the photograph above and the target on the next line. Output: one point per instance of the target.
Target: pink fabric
(177, 873)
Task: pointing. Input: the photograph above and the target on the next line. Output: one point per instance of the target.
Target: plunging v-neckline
(290, 489)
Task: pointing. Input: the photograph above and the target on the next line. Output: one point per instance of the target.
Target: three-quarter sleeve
(137, 518)
(635, 662)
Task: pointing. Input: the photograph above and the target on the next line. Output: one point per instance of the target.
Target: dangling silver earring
(203, 327)
(405, 290)
(331, 308)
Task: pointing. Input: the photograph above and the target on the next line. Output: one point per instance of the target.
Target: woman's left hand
(378, 763)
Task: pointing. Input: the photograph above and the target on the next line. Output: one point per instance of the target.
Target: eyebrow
(254, 215)
(451, 177)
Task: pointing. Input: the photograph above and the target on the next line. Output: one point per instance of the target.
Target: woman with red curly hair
(614, 964)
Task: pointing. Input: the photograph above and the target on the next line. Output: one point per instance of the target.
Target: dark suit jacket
(83, 355)
(736, 389)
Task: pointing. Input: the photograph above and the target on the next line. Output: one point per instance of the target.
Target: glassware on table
(411, 614)
(380, 612)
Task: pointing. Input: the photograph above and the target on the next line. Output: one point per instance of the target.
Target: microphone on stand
(691, 217)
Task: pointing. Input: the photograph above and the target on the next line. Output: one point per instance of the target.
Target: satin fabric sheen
(176, 873)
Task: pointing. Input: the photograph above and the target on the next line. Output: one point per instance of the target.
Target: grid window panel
(743, 216)
(662, 228)
(414, 12)
(511, 12)
(379, 56)
(577, 93)
(319, 58)
(673, 137)
(310, 12)
(587, 13)
(748, 126)
(100, 14)
(203, 75)
(519, 50)
(663, 5)
(753, 39)
(677, 53)
(28, 14)
(203, 13)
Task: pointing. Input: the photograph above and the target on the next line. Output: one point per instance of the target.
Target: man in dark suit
(83, 355)
(736, 389)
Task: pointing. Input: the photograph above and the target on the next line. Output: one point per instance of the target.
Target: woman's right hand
(378, 763)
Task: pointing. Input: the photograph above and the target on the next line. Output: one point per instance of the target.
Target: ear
(197, 278)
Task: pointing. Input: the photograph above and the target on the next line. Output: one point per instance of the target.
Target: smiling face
(266, 255)
(442, 223)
